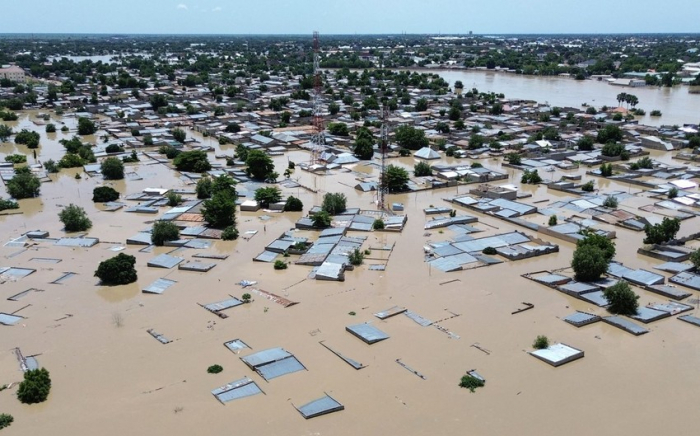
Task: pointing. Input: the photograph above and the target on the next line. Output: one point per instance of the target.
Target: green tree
(411, 138)
(378, 224)
(86, 126)
(364, 144)
(421, 105)
(158, 101)
(260, 165)
(514, 158)
(606, 245)
(164, 231)
(5, 420)
(195, 161)
(609, 133)
(396, 179)
(8, 204)
(220, 210)
(541, 342)
(118, 270)
(662, 232)
(112, 168)
(35, 387)
(334, 203)
(267, 195)
(321, 219)
(179, 135)
(589, 263)
(50, 128)
(622, 299)
(553, 220)
(5, 132)
(74, 218)
(586, 143)
(606, 170)
(204, 188)
(612, 149)
(24, 184)
(104, 194)
(229, 234)
(333, 108)
(695, 259)
(293, 204)
(28, 138)
(338, 129)
(422, 169)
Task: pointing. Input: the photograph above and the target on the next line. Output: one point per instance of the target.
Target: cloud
(181, 6)
(216, 9)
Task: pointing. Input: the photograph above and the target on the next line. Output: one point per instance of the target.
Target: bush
(422, 169)
(655, 113)
(70, 160)
(50, 128)
(378, 224)
(74, 218)
(104, 194)
(609, 133)
(695, 259)
(612, 149)
(164, 231)
(622, 299)
(36, 386)
(169, 151)
(215, 369)
(204, 188)
(334, 203)
(179, 135)
(192, 161)
(470, 382)
(606, 170)
(8, 204)
(51, 166)
(293, 204)
(114, 148)
(553, 220)
(610, 202)
(513, 158)
(321, 219)
(112, 168)
(173, 199)
(541, 342)
(589, 263)
(672, 193)
(16, 158)
(246, 298)
(118, 270)
(588, 186)
(490, 251)
(267, 195)
(5, 420)
(280, 264)
(645, 163)
(24, 184)
(28, 138)
(356, 257)
(86, 127)
(229, 234)
(663, 232)
(531, 177)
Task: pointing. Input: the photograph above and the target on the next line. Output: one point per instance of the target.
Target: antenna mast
(384, 149)
(318, 141)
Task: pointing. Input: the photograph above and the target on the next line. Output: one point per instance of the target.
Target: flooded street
(110, 377)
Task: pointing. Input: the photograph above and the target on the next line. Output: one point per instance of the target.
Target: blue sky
(350, 16)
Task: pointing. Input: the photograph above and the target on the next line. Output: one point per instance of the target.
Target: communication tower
(319, 140)
(383, 188)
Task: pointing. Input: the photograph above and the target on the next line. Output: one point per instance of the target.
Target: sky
(350, 16)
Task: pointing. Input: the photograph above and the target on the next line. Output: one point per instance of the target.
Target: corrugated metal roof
(7, 319)
(265, 357)
(159, 286)
(280, 368)
(367, 333)
(165, 261)
(236, 345)
(223, 305)
(235, 390)
(319, 407)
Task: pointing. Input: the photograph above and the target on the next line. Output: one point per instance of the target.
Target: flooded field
(110, 377)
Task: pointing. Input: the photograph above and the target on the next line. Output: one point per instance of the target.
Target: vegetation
(260, 166)
(35, 387)
(609, 133)
(490, 251)
(164, 231)
(28, 138)
(112, 168)
(553, 220)
(203, 188)
(74, 218)
(586, 143)
(356, 257)
(173, 199)
(655, 113)
(396, 179)
(195, 161)
(612, 149)
(364, 144)
(229, 234)
(5, 420)
(610, 202)
(541, 342)
(663, 232)
(378, 224)
(672, 193)
(118, 270)
(411, 138)
(622, 299)
(589, 263)
(104, 194)
(643, 163)
(179, 135)
(169, 151)
(606, 246)
(334, 203)
(338, 129)
(695, 259)
(219, 211)
(589, 186)
(280, 264)
(513, 158)
(321, 219)
(215, 369)
(531, 177)
(606, 170)
(5, 132)
(86, 127)
(246, 298)
(16, 158)
(293, 204)
(24, 184)
(114, 148)
(470, 382)
(267, 195)
(8, 204)
(422, 169)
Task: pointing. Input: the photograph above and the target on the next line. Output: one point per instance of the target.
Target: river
(676, 104)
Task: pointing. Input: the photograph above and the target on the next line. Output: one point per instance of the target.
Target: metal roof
(280, 368)
(319, 407)
(159, 286)
(164, 261)
(580, 319)
(625, 325)
(265, 357)
(237, 389)
(367, 332)
(417, 318)
(7, 319)
(236, 345)
(223, 305)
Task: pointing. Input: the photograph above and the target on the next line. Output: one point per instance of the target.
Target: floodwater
(676, 104)
(110, 377)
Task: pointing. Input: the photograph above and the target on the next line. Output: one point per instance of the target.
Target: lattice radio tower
(319, 140)
(383, 188)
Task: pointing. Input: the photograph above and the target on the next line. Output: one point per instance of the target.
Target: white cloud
(182, 6)
(216, 9)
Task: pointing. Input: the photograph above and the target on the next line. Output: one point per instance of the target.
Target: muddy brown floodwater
(110, 377)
